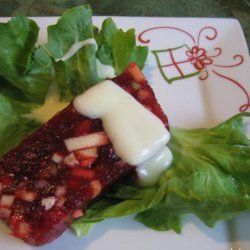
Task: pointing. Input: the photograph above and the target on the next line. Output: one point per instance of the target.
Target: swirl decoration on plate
(202, 61)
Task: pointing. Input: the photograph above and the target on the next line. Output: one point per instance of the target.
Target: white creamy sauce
(138, 136)
(104, 71)
(75, 47)
(52, 103)
(150, 170)
(51, 106)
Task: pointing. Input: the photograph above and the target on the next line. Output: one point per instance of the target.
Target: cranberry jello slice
(44, 185)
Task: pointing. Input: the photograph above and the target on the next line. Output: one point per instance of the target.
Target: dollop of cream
(136, 134)
(150, 170)
(104, 71)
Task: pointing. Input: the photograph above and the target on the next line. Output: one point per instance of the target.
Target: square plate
(199, 70)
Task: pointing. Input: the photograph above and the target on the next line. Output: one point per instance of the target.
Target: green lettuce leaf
(17, 45)
(75, 26)
(24, 80)
(125, 201)
(118, 48)
(115, 47)
(13, 127)
(27, 71)
(209, 177)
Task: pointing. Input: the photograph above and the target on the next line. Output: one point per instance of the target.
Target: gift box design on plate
(185, 61)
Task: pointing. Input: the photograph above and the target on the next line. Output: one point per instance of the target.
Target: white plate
(188, 102)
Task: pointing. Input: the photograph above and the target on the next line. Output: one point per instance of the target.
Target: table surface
(239, 9)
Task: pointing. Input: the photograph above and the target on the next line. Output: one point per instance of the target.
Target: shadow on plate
(218, 233)
(239, 232)
(70, 241)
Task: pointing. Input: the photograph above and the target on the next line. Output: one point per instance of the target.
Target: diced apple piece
(83, 173)
(47, 172)
(144, 94)
(86, 153)
(61, 202)
(26, 195)
(96, 187)
(48, 202)
(86, 141)
(77, 213)
(86, 163)
(57, 157)
(86, 156)
(61, 191)
(71, 160)
(7, 200)
(135, 85)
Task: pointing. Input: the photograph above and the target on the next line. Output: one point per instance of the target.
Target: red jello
(43, 186)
